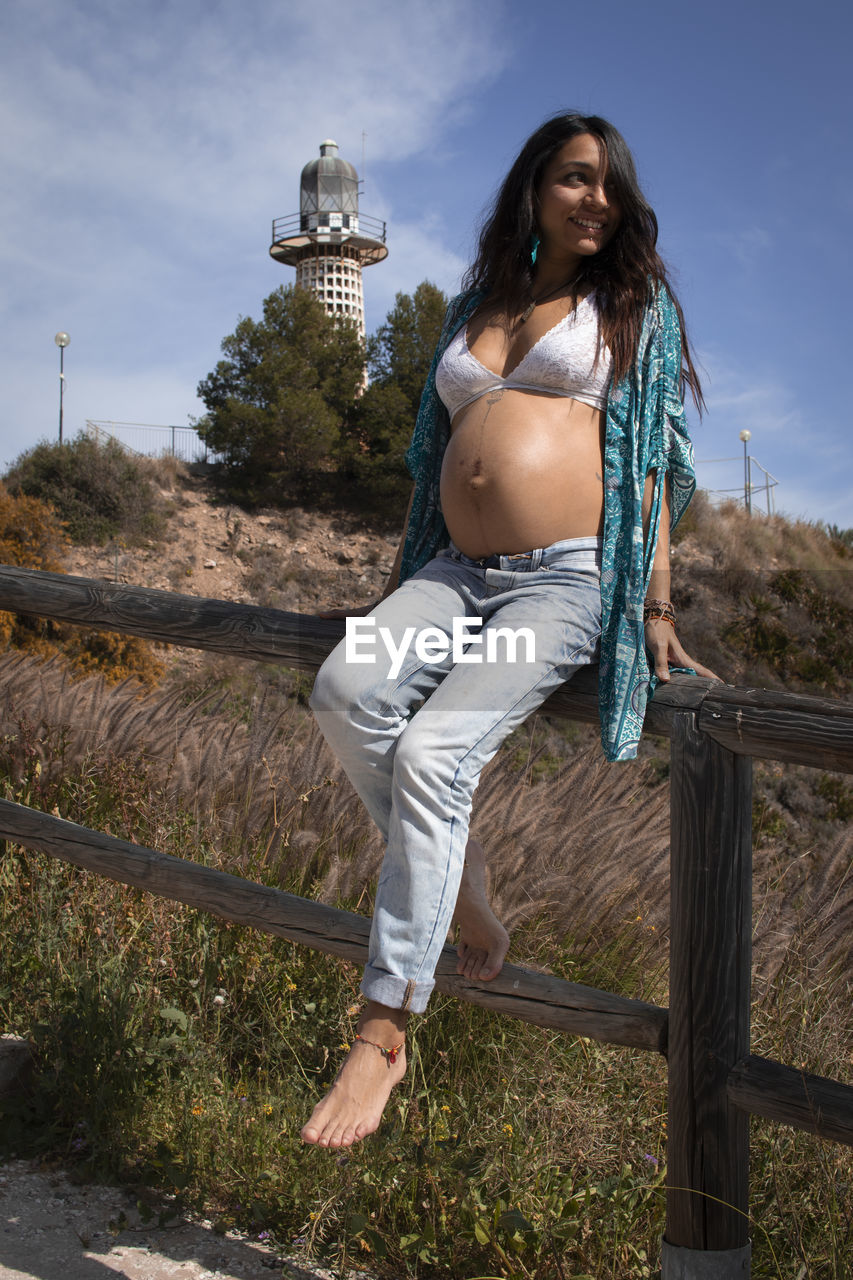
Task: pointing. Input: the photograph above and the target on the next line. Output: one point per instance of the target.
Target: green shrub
(841, 539)
(30, 533)
(112, 655)
(838, 795)
(97, 489)
(31, 537)
(758, 629)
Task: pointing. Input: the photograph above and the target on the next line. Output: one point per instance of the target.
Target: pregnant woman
(550, 460)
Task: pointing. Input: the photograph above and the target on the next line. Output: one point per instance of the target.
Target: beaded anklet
(390, 1055)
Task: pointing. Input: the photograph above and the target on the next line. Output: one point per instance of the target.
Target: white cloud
(146, 149)
(416, 252)
(189, 117)
(740, 396)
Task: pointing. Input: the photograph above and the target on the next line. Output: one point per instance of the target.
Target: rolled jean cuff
(393, 992)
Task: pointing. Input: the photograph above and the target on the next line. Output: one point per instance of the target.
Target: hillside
(766, 602)
(295, 559)
(177, 1051)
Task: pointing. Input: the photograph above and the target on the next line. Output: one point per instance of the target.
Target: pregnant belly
(513, 480)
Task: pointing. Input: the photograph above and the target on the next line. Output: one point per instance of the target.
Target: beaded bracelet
(659, 609)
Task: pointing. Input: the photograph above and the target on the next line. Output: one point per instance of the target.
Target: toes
(313, 1132)
(365, 1128)
(479, 964)
(321, 1127)
(461, 957)
(317, 1137)
(491, 963)
(492, 966)
(474, 964)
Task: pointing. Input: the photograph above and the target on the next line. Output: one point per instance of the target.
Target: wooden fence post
(707, 1228)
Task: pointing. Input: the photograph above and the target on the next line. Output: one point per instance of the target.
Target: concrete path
(52, 1229)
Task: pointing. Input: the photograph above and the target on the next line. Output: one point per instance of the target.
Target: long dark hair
(623, 273)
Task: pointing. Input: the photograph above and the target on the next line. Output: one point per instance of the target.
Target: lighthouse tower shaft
(329, 241)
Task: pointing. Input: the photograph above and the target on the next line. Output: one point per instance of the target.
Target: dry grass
(273, 779)
(501, 1123)
(731, 540)
(804, 904)
(580, 854)
(764, 600)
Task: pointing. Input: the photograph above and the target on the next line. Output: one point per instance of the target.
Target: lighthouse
(328, 241)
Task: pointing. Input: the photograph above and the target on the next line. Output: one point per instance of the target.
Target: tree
(401, 350)
(277, 402)
(98, 489)
(379, 425)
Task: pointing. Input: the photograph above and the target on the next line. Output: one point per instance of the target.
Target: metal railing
(150, 440)
(750, 492)
(359, 224)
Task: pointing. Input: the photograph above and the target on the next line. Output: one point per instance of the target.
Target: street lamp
(746, 436)
(62, 340)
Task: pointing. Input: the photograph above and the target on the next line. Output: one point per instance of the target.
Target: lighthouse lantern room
(328, 241)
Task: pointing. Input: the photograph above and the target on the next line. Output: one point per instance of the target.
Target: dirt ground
(291, 559)
(52, 1229)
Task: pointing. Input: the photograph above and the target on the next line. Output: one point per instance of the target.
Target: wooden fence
(715, 1084)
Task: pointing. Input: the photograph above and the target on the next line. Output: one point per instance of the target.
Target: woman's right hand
(359, 612)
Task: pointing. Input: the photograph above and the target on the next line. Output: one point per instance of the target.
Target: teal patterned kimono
(645, 431)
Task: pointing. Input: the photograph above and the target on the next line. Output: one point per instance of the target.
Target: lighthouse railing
(293, 224)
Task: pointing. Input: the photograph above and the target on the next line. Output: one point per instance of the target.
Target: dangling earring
(534, 248)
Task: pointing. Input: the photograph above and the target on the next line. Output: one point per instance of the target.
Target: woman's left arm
(661, 640)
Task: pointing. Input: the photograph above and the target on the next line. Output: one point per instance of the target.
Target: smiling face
(577, 209)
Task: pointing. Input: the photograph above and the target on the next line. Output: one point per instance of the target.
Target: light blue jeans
(416, 766)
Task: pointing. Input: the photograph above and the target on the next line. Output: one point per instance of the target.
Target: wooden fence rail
(715, 730)
(756, 1085)
(534, 997)
(790, 727)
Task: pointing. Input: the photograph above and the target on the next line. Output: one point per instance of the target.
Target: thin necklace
(525, 315)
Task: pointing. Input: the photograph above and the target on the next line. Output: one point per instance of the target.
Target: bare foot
(483, 941)
(353, 1107)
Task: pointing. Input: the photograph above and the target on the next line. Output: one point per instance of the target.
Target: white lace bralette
(568, 360)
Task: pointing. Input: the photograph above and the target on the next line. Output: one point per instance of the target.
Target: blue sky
(146, 148)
